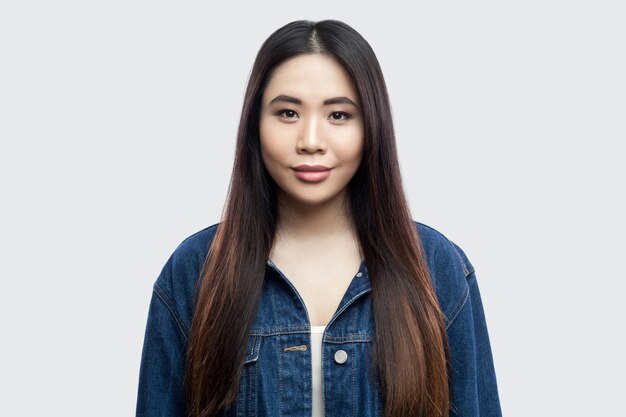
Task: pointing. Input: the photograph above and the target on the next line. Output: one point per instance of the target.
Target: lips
(311, 168)
(311, 173)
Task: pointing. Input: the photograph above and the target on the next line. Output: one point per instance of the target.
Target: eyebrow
(294, 100)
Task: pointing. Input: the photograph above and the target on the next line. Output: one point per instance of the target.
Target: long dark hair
(410, 351)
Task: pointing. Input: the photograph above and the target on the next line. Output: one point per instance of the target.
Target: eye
(338, 114)
(289, 113)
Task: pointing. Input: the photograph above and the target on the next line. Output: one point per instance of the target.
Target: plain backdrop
(118, 122)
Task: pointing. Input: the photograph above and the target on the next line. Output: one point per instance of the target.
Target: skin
(315, 245)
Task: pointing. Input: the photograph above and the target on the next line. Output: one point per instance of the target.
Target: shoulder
(193, 249)
(176, 284)
(449, 268)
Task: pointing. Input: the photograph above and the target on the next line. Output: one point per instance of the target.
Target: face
(311, 117)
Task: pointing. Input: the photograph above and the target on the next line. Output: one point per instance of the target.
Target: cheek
(275, 141)
(351, 150)
(274, 152)
(267, 138)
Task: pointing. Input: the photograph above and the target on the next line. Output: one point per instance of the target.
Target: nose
(311, 137)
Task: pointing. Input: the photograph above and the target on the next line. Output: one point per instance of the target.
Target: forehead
(310, 77)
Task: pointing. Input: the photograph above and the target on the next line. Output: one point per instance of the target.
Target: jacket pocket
(247, 397)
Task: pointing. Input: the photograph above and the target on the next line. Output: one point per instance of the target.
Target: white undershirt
(316, 368)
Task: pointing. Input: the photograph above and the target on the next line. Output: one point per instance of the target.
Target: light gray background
(117, 128)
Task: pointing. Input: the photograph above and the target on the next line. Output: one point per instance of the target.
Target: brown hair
(410, 351)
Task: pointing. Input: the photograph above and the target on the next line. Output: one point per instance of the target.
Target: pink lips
(311, 173)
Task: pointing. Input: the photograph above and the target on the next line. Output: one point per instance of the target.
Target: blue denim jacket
(277, 381)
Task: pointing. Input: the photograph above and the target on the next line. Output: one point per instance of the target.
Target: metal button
(341, 356)
(359, 274)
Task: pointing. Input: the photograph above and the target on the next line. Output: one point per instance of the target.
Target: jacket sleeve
(160, 391)
(473, 378)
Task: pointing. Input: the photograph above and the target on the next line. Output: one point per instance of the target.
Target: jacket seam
(457, 309)
(466, 270)
(465, 267)
(352, 337)
(160, 293)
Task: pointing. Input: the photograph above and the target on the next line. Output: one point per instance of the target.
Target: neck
(331, 218)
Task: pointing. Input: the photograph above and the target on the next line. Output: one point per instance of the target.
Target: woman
(317, 294)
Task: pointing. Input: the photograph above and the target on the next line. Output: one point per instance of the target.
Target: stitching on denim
(352, 362)
(160, 293)
(350, 301)
(253, 355)
(254, 390)
(209, 229)
(466, 270)
(354, 319)
(250, 391)
(323, 383)
(353, 337)
(280, 383)
(349, 338)
(343, 342)
(281, 330)
(255, 387)
(257, 347)
(287, 330)
(455, 312)
(310, 371)
(295, 291)
(271, 289)
(246, 393)
(172, 376)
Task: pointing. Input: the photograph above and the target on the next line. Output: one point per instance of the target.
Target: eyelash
(343, 113)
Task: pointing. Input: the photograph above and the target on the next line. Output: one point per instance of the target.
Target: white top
(316, 365)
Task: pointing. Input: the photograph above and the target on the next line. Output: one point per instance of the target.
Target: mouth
(311, 173)
(311, 168)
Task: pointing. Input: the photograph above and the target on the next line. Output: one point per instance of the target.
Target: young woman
(317, 293)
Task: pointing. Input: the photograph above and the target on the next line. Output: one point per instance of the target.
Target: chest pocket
(247, 397)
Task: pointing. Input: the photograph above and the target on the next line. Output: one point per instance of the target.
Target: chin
(311, 198)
